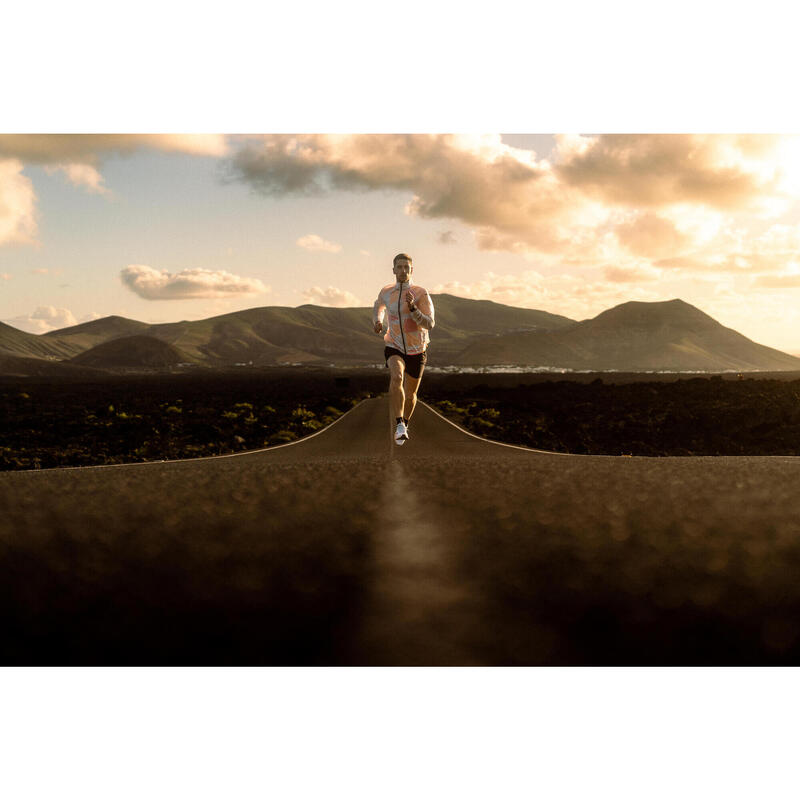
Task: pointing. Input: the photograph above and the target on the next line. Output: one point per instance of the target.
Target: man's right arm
(378, 310)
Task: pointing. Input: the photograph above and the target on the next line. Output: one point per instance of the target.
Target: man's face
(402, 269)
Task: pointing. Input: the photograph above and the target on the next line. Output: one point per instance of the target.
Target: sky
(161, 228)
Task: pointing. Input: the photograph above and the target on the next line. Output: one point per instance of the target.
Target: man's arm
(423, 313)
(378, 310)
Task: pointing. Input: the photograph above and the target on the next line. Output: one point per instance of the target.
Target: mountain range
(633, 336)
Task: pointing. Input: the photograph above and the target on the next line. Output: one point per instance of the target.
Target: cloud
(336, 298)
(44, 319)
(58, 317)
(651, 235)
(722, 171)
(737, 251)
(17, 205)
(447, 237)
(685, 262)
(316, 244)
(477, 179)
(790, 281)
(630, 275)
(189, 284)
(596, 198)
(78, 156)
(48, 148)
(81, 175)
(575, 296)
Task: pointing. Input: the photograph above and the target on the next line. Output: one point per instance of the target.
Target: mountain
(460, 321)
(21, 367)
(62, 344)
(275, 335)
(14, 342)
(131, 352)
(78, 338)
(634, 336)
(309, 334)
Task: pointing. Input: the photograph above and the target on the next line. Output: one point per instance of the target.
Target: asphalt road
(344, 549)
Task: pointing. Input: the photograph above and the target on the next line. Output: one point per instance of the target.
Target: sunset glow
(92, 225)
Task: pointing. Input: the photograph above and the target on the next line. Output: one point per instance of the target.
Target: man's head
(401, 266)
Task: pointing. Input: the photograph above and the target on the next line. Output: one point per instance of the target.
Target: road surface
(344, 549)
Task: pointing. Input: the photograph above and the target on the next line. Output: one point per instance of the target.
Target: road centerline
(418, 609)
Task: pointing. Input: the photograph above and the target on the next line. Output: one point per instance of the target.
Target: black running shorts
(414, 364)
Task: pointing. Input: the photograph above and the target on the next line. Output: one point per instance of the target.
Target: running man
(409, 312)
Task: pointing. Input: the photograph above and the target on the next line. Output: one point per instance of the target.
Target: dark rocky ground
(685, 417)
(150, 417)
(146, 417)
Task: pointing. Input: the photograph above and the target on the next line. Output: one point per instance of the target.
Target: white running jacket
(406, 331)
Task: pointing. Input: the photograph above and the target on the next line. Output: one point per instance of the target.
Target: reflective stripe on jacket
(406, 331)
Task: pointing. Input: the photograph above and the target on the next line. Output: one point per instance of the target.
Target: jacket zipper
(400, 318)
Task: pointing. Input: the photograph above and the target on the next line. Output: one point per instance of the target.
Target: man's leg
(396, 395)
(412, 384)
(414, 372)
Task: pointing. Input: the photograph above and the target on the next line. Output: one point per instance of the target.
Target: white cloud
(337, 298)
(787, 281)
(196, 144)
(735, 251)
(316, 244)
(652, 235)
(58, 317)
(189, 284)
(44, 319)
(601, 199)
(720, 171)
(81, 175)
(479, 179)
(77, 155)
(635, 274)
(17, 205)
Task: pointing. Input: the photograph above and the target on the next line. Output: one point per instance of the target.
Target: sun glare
(788, 164)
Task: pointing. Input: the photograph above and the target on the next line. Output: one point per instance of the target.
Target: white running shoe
(401, 433)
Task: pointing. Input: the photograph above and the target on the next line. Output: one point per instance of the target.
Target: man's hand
(410, 298)
(378, 327)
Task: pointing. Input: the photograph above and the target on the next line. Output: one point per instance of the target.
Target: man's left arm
(423, 313)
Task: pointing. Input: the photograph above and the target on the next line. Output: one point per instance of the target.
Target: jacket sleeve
(423, 313)
(378, 309)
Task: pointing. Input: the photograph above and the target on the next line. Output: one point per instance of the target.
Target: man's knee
(396, 379)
